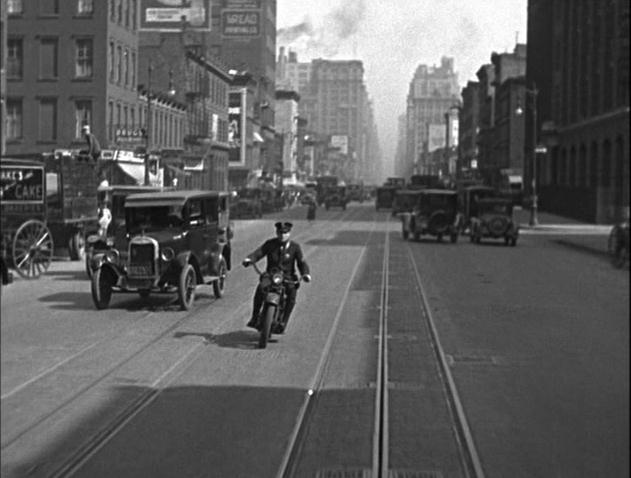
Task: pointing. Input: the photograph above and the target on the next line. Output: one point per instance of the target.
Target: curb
(583, 248)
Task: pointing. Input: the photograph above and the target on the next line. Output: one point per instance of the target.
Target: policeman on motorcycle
(283, 254)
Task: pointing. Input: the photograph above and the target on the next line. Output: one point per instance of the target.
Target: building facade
(468, 130)
(578, 65)
(433, 90)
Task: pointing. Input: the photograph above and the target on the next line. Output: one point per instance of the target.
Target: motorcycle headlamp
(109, 241)
(277, 279)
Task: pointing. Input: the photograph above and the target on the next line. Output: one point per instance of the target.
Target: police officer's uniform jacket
(286, 256)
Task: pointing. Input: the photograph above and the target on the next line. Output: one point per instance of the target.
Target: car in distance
(176, 241)
(248, 203)
(494, 220)
(435, 213)
(335, 196)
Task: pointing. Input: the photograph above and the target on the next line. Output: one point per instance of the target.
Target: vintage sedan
(335, 196)
(435, 213)
(177, 240)
(494, 220)
(404, 200)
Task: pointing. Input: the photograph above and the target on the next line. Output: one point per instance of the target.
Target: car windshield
(494, 208)
(153, 218)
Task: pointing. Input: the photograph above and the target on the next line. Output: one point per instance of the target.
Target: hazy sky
(393, 37)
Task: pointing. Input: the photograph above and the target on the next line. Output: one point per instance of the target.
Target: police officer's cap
(283, 226)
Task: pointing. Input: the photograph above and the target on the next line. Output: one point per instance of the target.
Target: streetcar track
(294, 446)
(462, 432)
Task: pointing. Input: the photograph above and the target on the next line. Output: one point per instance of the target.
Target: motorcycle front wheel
(266, 326)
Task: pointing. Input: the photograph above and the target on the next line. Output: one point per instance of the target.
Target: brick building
(578, 62)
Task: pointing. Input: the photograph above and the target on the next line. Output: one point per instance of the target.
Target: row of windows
(121, 65)
(48, 58)
(49, 7)
(122, 12)
(598, 166)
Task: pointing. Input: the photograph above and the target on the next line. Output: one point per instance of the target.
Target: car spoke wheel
(32, 249)
(101, 288)
(186, 287)
(220, 284)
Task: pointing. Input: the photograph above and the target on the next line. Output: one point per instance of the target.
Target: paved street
(530, 336)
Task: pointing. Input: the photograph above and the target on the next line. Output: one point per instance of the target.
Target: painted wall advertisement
(173, 15)
(236, 128)
(241, 23)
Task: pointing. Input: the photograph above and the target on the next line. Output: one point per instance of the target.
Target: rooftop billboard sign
(174, 15)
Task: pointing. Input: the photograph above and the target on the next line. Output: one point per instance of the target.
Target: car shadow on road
(128, 302)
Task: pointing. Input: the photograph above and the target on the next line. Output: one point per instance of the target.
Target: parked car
(177, 240)
(468, 204)
(494, 220)
(248, 204)
(335, 196)
(435, 213)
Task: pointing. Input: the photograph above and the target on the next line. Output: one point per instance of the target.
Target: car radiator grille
(141, 260)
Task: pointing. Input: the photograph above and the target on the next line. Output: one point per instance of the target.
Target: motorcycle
(273, 285)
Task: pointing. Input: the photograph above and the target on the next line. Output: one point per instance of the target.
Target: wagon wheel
(32, 249)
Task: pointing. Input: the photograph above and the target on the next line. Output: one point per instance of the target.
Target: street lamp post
(534, 220)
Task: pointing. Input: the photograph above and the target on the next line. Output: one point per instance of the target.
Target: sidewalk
(591, 238)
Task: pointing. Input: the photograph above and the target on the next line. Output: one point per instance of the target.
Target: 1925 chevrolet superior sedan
(176, 241)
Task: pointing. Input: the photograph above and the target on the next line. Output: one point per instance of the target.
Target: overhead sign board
(174, 15)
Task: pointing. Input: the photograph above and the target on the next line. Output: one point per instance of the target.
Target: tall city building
(243, 35)
(577, 78)
(433, 90)
(290, 73)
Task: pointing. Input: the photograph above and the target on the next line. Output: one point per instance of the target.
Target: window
(83, 115)
(112, 60)
(15, 58)
(13, 129)
(126, 67)
(127, 12)
(83, 62)
(133, 70)
(119, 64)
(85, 7)
(119, 13)
(14, 7)
(48, 58)
(113, 10)
(133, 14)
(110, 121)
(49, 7)
(47, 119)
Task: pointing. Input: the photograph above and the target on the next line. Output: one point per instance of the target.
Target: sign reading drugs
(174, 15)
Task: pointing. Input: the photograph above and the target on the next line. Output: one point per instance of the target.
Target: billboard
(436, 137)
(341, 142)
(236, 127)
(171, 15)
(242, 4)
(240, 23)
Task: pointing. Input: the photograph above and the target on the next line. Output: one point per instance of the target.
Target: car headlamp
(111, 256)
(167, 254)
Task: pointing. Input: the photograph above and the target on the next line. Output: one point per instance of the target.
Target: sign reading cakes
(241, 18)
(174, 15)
(21, 184)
